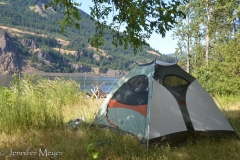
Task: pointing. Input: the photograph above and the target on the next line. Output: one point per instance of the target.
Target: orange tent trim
(181, 102)
(142, 109)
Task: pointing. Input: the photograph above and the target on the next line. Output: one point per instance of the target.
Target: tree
(214, 28)
(184, 34)
(208, 23)
(139, 17)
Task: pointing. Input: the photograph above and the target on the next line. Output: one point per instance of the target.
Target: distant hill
(40, 46)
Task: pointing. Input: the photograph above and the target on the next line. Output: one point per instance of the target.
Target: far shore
(87, 74)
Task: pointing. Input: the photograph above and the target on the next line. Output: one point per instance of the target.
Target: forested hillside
(209, 43)
(68, 49)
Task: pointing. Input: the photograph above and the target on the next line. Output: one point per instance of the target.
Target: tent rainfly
(160, 100)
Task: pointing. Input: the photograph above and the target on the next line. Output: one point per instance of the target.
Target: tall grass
(33, 113)
(34, 103)
(230, 107)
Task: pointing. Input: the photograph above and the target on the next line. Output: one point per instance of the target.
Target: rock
(8, 53)
(81, 68)
(29, 43)
(43, 56)
(6, 43)
(114, 73)
(8, 62)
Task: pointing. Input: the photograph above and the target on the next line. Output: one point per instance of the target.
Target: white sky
(163, 45)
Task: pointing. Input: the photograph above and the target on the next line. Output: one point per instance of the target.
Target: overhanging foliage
(140, 19)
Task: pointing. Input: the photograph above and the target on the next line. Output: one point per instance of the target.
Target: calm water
(86, 83)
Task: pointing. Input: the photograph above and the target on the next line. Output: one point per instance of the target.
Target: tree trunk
(207, 31)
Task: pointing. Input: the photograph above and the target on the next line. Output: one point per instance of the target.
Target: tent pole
(148, 137)
(120, 77)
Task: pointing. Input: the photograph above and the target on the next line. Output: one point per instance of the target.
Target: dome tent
(159, 100)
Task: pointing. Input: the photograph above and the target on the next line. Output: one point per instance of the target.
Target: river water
(86, 82)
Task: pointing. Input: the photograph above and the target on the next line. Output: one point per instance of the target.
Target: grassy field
(33, 116)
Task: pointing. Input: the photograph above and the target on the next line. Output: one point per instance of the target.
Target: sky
(164, 45)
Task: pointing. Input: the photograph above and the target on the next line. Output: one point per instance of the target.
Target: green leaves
(137, 19)
(133, 21)
(93, 153)
(69, 9)
(220, 28)
(223, 73)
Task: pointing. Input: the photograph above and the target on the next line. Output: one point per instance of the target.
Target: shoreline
(56, 74)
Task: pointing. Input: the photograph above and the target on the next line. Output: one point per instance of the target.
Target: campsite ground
(33, 126)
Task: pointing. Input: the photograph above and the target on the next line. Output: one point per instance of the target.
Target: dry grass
(62, 51)
(39, 9)
(18, 32)
(230, 107)
(75, 145)
(102, 52)
(87, 142)
(84, 107)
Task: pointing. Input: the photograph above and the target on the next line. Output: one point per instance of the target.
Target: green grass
(34, 111)
(33, 103)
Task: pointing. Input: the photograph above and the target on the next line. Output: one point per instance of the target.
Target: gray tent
(159, 100)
